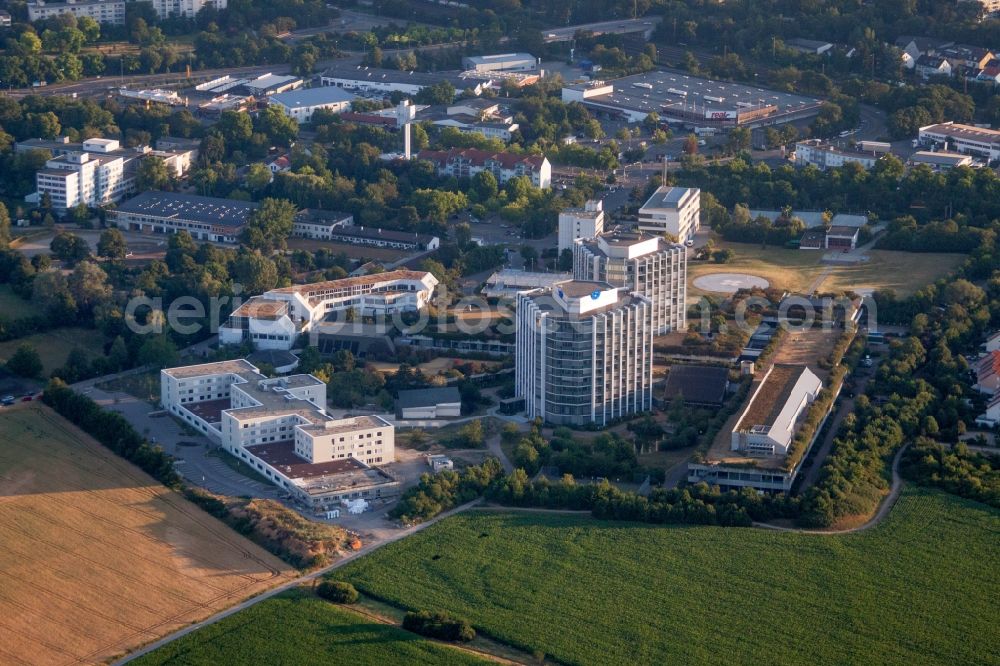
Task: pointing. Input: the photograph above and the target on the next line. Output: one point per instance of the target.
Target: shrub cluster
(958, 470)
(445, 490)
(337, 591)
(439, 625)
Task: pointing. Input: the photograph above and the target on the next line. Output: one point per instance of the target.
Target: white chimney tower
(405, 113)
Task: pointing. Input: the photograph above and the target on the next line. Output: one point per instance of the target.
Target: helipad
(730, 283)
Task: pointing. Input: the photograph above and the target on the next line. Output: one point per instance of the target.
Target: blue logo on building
(595, 294)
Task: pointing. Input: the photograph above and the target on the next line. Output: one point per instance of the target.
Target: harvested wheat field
(96, 557)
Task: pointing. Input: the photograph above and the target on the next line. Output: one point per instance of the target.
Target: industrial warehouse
(692, 100)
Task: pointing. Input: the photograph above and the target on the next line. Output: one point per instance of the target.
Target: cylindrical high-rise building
(584, 353)
(648, 265)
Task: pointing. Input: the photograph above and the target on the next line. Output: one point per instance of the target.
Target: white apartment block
(467, 162)
(826, 156)
(97, 171)
(184, 8)
(279, 427)
(275, 319)
(86, 178)
(102, 11)
(585, 222)
(672, 210)
(584, 353)
(967, 139)
(648, 265)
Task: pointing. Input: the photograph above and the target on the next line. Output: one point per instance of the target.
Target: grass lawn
(904, 272)
(296, 627)
(54, 346)
(96, 557)
(144, 385)
(12, 306)
(796, 270)
(920, 588)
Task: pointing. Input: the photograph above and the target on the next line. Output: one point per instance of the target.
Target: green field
(797, 270)
(298, 628)
(919, 589)
(54, 346)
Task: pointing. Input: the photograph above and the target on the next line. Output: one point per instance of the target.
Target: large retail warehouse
(679, 97)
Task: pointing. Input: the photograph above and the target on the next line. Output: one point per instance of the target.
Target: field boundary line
(296, 582)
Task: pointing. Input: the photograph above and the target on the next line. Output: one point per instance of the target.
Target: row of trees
(957, 469)
(112, 430)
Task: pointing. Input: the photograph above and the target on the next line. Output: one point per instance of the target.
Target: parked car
(7, 400)
(27, 398)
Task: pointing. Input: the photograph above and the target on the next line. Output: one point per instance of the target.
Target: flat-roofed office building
(672, 210)
(649, 265)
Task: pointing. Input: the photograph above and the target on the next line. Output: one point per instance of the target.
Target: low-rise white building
(373, 80)
(467, 162)
(768, 423)
(827, 156)
(103, 11)
(968, 139)
(500, 62)
(672, 210)
(302, 104)
(586, 222)
(940, 160)
(279, 427)
(275, 319)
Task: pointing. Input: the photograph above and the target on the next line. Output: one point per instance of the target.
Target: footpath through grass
(920, 588)
(296, 627)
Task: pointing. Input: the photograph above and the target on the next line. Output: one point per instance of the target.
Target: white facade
(275, 319)
(501, 62)
(967, 139)
(826, 156)
(766, 427)
(84, 178)
(584, 353)
(278, 425)
(575, 223)
(102, 11)
(672, 210)
(491, 130)
(466, 163)
(645, 265)
(185, 8)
